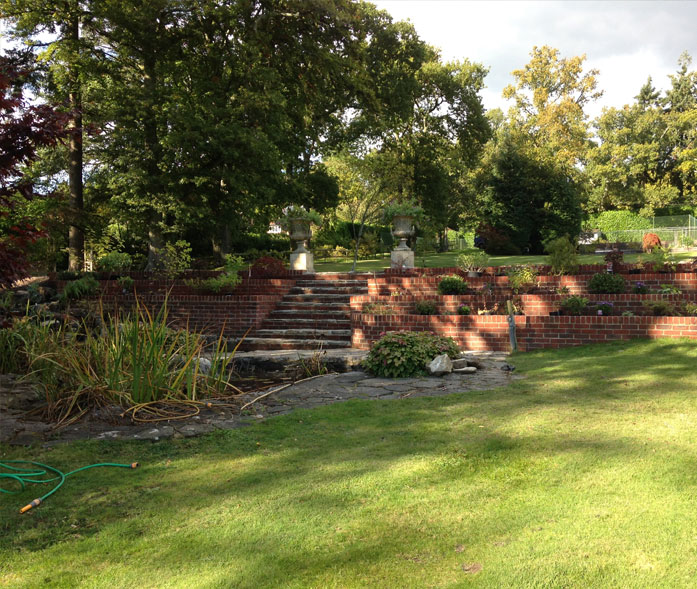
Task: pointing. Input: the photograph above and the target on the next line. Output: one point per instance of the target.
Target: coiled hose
(37, 473)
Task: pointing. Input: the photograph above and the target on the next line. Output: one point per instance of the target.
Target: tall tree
(429, 122)
(63, 24)
(549, 95)
(362, 197)
(23, 130)
(646, 159)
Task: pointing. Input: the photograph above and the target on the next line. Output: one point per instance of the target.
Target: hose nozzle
(34, 503)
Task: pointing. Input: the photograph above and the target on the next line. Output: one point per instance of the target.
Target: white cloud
(627, 41)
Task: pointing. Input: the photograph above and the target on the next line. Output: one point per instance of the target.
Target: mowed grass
(449, 260)
(584, 474)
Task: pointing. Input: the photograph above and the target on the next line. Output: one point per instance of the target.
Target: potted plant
(473, 263)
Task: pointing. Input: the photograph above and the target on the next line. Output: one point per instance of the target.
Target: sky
(627, 41)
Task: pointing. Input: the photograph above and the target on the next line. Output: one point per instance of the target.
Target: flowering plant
(604, 307)
(640, 288)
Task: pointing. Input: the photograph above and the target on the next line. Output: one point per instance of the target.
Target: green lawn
(449, 259)
(584, 474)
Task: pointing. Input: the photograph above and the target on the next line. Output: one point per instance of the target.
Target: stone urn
(301, 258)
(402, 256)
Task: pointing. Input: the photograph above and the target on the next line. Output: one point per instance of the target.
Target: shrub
(627, 314)
(669, 289)
(86, 286)
(606, 284)
(650, 241)
(267, 266)
(605, 307)
(114, 262)
(690, 309)
(464, 310)
(657, 260)
(425, 308)
(659, 308)
(496, 242)
(614, 257)
(452, 285)
(562, 255)
(173, 259)
(522, 278)
(574, 305)
(406, 353)
(640, 288)
(608, 221)
(125, 283)
(229, 279)
(377, 309)
(68, 275)
(475, 261)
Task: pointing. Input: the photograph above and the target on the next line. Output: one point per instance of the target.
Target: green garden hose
(37, 474)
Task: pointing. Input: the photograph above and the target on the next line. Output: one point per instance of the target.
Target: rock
(155, 434)
(460, 363)
(440, 365)
(465, 370)
(204, 365)
(507, 368)
(351, 376)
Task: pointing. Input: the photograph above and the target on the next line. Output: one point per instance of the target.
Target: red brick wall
(577, 284)
(491, 332)
(233, 313)
(534, 304)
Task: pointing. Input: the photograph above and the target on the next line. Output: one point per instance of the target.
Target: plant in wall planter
(573, 305)
(403, 216)
(474, 264)
(640, 288)
(604, 308)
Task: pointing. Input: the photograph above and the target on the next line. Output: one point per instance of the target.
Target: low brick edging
(533, 332)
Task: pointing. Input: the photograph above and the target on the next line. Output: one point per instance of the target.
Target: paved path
(315, 392)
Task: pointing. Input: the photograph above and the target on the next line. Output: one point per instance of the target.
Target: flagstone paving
(493, 371)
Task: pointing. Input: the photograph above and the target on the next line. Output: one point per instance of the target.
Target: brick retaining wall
(491, 332)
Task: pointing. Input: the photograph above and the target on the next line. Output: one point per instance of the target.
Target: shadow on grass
(252, 494)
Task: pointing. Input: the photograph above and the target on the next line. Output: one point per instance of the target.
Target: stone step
(255, 343)
(312, 298)
(300, 333)
(310, 314)
(320, 320)
(291, 306)
(328, 290)
(329, 284)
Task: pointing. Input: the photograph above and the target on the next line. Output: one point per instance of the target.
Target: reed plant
(132, 359)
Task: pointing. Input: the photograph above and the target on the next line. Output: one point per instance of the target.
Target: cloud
(627, 41)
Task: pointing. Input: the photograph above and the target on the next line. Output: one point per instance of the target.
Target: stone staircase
(314, 314)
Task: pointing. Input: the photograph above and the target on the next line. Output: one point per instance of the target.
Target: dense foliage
(452, 285)
(406, 353)
(606, 284)
(199, 122)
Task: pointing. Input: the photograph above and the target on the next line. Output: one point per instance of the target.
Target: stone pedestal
(402, 258)
(303, 261)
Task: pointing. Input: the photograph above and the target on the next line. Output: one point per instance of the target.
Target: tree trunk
(76, 236)
(152, 153)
